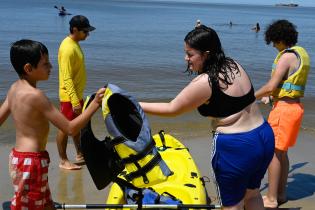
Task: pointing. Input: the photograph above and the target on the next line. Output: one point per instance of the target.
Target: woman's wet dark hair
(205, 39)
(26, 51)
(281, 30)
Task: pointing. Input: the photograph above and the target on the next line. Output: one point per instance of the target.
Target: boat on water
(287, 5)
(62, 11)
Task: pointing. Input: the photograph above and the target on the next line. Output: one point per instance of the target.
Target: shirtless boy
(32, 111)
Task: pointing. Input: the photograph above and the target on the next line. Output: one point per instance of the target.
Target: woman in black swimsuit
(243, 143)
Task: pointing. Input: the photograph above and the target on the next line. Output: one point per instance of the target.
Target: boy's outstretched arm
(69, 127)
(4, 111)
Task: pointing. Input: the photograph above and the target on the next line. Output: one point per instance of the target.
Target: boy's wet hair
(281, 30)
(26, 51)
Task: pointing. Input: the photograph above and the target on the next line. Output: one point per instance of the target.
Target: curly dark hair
(281, 30)
(204, 39)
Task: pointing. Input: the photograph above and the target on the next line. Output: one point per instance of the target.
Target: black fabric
(223, 105)
(125, 115)
(101, 160)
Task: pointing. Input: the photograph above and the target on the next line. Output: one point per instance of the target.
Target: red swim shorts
(29, 174)
(285, 119)
(67, 110)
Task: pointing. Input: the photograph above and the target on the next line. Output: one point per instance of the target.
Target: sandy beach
(77, 187)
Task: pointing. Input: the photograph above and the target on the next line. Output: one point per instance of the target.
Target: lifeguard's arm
(281, 70)
(4, 111)
(193, 95)
(56, 118)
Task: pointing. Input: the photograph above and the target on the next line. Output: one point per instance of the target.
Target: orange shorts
(285, 119)
(29, 173)
(67, 110)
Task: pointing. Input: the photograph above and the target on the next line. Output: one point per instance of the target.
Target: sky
(306, 3)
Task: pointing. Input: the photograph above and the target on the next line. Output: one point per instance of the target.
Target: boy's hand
(265, 100)
(99, 95)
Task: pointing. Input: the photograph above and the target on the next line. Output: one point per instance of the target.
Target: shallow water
(138, 45)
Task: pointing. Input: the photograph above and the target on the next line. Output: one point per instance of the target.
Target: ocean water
(138, 45)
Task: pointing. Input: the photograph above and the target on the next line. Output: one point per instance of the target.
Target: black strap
(161, 134)
(144, 176)
(141, 155)
(117, 140)
(145, 169)
(123, 183)
(164, 147)
(170, 195)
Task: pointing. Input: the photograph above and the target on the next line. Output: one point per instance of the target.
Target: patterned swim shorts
(29, 174)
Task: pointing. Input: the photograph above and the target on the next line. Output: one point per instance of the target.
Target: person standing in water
(198, 23)
(256, 28)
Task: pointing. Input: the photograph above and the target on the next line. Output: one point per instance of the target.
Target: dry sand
(77, 187)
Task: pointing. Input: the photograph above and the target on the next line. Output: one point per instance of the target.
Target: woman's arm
(193, 95)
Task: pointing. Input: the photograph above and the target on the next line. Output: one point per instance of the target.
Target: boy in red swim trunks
(32, 112)
(286, 86)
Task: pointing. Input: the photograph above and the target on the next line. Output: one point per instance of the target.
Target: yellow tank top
(294, 85)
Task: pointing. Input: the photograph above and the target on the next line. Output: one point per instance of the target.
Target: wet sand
(77, 187)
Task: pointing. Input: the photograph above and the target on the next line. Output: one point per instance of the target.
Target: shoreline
(194, 131)
(178, 124)
(77, 187)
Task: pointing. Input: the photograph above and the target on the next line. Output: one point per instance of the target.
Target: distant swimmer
(231, 23)
(256, 28)
(198, 23)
